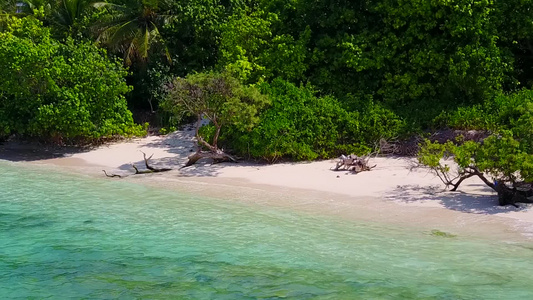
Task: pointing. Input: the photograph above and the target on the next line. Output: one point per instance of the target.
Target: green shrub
(509, 109)
(465, 117)
(377, 122)
(59, 91)
(499, 112)
(300, 126)
(502, 161)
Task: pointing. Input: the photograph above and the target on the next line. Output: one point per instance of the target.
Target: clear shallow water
(73, 237)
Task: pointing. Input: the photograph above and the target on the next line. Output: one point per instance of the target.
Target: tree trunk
(217, 156)
(506, 195)
(511, 196)
(215, 138)
(214, 153)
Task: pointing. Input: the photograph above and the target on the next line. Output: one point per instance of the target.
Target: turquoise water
(67, 237)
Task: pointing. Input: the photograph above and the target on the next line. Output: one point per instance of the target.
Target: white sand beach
(393, 192)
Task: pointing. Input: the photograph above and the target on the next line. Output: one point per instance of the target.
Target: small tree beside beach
(218, 98)
(503, 161)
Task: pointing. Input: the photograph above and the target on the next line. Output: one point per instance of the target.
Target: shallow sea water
(73, 237)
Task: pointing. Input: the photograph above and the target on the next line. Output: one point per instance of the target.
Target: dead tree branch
(214, 153)
(149, 169)
(217, 156)
(354, 163)
(154, 170)
(111, 175)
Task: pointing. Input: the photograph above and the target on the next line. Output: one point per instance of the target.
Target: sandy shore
(393, 192)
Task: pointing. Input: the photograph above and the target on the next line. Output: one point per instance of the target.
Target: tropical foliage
(133, 28)
(59, 91)
(340, 74)
(301, 126)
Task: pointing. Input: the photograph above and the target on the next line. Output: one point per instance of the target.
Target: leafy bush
(465, 117)
(217, 97)
(499, 112)
(54, 90)
(377, 121)
(511, 110)
(300, 126)
(252, 52)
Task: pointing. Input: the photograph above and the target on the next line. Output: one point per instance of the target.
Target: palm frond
(163, 42)
(129, 53)
(131, 29)
(144, 43)
(117, 7)
(69, 11)
(117, 34)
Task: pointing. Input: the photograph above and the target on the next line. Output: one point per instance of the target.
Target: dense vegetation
(340, 75)
(53, 90)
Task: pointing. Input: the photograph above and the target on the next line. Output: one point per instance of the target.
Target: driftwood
(214, 153)
(217, 156)
(112, 175)
(354, 163)
(149, 169)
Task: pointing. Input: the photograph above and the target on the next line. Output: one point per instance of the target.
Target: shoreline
(392, 193)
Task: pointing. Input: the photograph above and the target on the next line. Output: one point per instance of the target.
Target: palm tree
(69, 12)
(133, 29)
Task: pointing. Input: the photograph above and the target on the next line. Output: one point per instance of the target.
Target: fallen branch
(218, 157)
(213, 152)
(149, 169)
(111, 175)
(154, 170)
(354, 163)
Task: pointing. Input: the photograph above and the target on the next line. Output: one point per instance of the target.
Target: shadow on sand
(483, 200)
(180, 145)
(31, 151)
